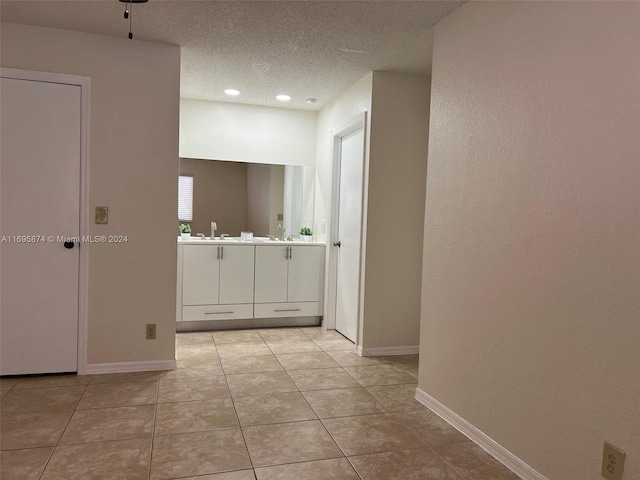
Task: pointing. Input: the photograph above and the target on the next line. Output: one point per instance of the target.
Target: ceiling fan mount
(128, 9)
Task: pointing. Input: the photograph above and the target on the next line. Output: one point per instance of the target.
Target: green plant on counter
(184, 228)
(305, 231)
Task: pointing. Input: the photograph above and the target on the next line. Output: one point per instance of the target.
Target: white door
(349, 233)
(40, 201)
(236, 274)
(200, 274)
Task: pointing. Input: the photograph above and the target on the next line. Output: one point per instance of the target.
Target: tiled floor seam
(153, 429)
(47, 463)
(53, 451)
(315, 413)
(462, 477)
(246, 447)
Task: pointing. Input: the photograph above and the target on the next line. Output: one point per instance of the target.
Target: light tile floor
(270, 404)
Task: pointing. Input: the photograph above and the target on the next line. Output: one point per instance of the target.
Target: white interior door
(40, 201)
(349, 233)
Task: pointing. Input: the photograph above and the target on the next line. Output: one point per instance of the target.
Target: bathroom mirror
(253, 197)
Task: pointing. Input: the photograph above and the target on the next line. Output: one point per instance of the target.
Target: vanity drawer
(275, 310)
(193, 313)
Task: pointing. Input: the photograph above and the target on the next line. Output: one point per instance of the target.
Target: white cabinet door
(201, 275)
(305, 273)
(236, 274)
(271, 274)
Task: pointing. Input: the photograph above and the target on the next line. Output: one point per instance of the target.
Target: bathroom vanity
(239, 284)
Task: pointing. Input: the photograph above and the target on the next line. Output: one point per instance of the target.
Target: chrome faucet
(271, 237)
(223, 236)
(214, 227)
(201, 235)
(290, 238)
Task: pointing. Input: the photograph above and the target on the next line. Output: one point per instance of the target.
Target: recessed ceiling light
(283, 98)
(232, 92)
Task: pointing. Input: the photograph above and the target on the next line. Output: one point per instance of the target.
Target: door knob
(337, 244)
(68, 244)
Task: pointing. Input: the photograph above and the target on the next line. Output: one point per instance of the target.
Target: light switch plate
(612, 462)
(102, 215)
(280, 217)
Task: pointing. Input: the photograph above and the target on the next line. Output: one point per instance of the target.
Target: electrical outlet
(612, 462)
(151, 331)
(102, 215)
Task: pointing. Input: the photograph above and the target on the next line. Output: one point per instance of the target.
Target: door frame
(352, 125)
(85, 130)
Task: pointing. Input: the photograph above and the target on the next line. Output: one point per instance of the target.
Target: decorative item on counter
(246, 236)
(185, 231)
(306, 234)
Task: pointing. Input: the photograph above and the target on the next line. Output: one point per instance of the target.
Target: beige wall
(265, 199)
(248, 133)
(276, 201)
(395, 210)
(219, 194)
(134, 162)
(395, 169)
(340, 111)
(531, 285)
(258, 198)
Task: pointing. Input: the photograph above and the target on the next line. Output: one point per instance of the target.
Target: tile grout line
(316, 414)
(153, 428)
(55, 447)
(235, 410)
(455, 470)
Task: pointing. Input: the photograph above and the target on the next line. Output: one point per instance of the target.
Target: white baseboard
(501, 454)
(384, 351)
(123, 367)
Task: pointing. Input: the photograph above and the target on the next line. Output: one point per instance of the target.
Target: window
(185, 197)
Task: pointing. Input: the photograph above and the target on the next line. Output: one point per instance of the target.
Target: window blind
(185, 198)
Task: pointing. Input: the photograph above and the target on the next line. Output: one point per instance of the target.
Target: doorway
(44, 137)
(345, 258)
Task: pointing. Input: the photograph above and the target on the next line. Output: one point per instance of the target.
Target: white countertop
(262, 241)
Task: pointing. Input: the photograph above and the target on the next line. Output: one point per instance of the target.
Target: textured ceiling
(307, 49)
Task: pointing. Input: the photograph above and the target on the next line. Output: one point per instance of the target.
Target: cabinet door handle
(221, 253)
(287, 310)
(290, 253)
(218, 253)
(286, 253)
(216, 313)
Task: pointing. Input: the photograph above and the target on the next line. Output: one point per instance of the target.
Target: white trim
(388, 351)
(331, 269)
(500, 453)
(123, 367)
(85, 135)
